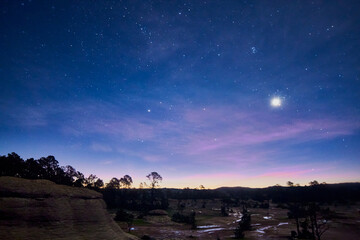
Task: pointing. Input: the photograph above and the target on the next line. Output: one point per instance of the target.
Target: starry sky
(184, 88)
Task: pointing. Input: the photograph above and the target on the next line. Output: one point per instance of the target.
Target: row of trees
(49, 168)
(43, 168)
(311, 183)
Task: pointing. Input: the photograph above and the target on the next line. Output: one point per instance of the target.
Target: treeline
(142, 200)
(118, 194)
(49, 168)
(147, 199)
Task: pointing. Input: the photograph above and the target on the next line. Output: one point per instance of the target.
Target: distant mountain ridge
(327, 184)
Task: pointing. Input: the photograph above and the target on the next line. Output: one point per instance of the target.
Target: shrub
(123, 216)
(188, 219)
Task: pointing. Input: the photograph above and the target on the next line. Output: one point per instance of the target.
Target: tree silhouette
(32, 169)
(318, 220)
(296, 211)
(93, 182)
(50, 167)
(113, 184)
(313, 183)
(99, 183)
(243, 225)
(290, 184)
(11, 165)
(126, 181)
(70, 172)
(80, 180)
(154, 179)
(311, 218)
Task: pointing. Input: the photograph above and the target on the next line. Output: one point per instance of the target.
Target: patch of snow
(282, 223)
(262, 230)
(210, 230)
(236, 214)
(267, 217)
(208, 226)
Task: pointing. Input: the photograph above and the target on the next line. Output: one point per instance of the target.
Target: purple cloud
(217, 134)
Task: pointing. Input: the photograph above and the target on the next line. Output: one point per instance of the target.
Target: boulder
(41, 209)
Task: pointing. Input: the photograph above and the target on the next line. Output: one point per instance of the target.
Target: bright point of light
(276, 102)
(149, 110)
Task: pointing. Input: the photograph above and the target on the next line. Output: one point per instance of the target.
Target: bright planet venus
(276, 102)
(213, 93)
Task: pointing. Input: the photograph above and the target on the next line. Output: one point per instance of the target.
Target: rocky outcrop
(40, 209)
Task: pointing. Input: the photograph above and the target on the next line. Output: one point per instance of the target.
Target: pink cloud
(294, 173)
(253, 132)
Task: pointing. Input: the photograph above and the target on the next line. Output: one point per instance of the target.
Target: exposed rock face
(40, 209)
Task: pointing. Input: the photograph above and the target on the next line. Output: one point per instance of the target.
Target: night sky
(219, 93)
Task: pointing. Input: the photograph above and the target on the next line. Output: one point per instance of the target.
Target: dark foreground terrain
(41, 209)
(271, 223)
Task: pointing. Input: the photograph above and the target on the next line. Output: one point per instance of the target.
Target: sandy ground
(269, 223)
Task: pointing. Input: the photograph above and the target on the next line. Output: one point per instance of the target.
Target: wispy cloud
(215, 134)
(98, 147)
(107, 162)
